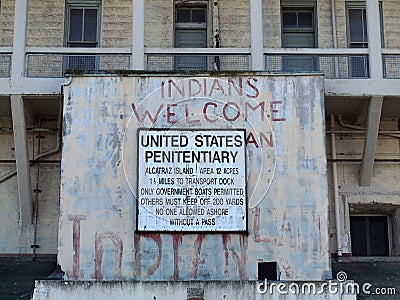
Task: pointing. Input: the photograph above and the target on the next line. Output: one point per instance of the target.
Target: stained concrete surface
(17, 277)
(380, 274)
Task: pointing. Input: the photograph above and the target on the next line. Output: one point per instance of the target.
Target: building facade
(50, 47)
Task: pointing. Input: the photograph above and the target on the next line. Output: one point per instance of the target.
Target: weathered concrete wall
(159, 23)
(382, 197)
(234, 23)
(49, 290)
(45, 25)
(272, 23)
(116, 25)
(391, 23)
(16, 239)
(6, 22)
(97, 238)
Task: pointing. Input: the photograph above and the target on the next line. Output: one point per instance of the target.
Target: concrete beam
(22, 159)
(138, 35)
(256, 31)
(371, 139)
(374, 39)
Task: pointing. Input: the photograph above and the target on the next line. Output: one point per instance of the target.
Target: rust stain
(196, 257)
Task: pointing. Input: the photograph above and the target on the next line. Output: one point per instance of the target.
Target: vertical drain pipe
(34, 246)
(216, 37)
(336, 189)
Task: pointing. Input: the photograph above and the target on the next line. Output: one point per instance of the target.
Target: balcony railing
(5, 62)
(391, 63)
(200, 59)
(56, 62)
(333, 63)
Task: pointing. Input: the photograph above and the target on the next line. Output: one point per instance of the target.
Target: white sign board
(191, 180)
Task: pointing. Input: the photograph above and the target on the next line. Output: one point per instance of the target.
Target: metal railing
(5, 64)
(334, 63)
(333, 66)
(391, 66)
(56, 62)
(198, 59)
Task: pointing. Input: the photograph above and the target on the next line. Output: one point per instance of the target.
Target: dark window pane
(365, 25)
(358, 236)
(183, 15)
(378, 236)
(90, 33)
(75, 25)
(305, 20)
(198, 15)
(289, 20)
(356, 26)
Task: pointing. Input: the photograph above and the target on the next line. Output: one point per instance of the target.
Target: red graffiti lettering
(205, 112)
(147, 113)
(274, 111)
(241, 260)
(235, 109)
(76, 246)
(98, 250)
(137, 266)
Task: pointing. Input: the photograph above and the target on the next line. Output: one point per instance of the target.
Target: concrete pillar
(374, 39)
(371, 139)
(256, 28)
(138, 35)
(18, 57)
(22, 158)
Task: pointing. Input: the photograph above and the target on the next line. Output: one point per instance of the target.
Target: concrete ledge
(159, 290)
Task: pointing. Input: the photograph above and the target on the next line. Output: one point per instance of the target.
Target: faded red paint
(156, 237)
(176, 242)
(256, 227)
(118, 247)
(289, 229)
(202, 88)
(196, 257)
(76, 246)
(241, 260)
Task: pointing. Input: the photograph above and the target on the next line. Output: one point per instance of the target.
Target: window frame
(356, 5)
(388, 234)
(82, 4)
(300, 6)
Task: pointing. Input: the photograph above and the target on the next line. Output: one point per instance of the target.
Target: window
(357, 37)
(369, 235)
(190, 32)
(82, 30)
(299, 31)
